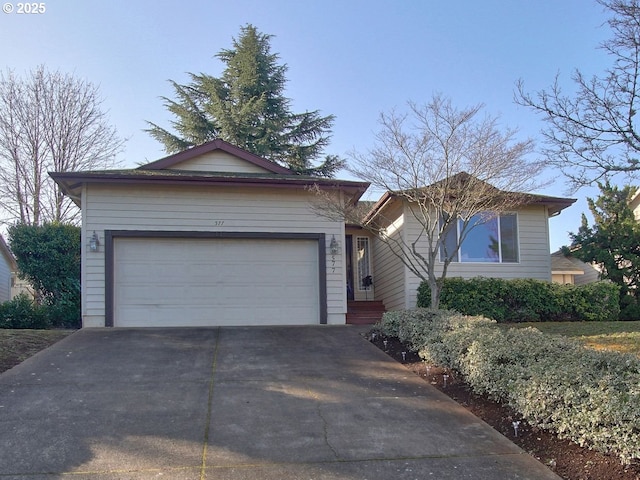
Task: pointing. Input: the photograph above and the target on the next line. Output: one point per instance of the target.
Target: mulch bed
(566, 459)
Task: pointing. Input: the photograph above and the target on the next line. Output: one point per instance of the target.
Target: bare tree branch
(593, 134)
(450, 167)
(49, 122)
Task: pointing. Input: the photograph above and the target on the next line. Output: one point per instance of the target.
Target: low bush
(23, 312)
(591, 397)
(629, 307)
(64, 310)
(526, 300)
(593, 302)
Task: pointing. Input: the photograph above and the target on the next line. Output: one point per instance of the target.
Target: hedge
(526, 300)
(590, 397)
(22, 312)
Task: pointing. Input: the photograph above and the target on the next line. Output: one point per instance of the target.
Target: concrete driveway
(238, 403)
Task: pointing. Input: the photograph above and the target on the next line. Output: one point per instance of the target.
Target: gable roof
(163, 172)
(177, 158)
(560, 264)
(554, 204)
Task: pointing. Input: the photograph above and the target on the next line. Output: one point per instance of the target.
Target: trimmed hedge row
(590, 397)
(527, 300)
(22, 312)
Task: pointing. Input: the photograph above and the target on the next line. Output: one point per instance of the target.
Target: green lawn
(619, 336)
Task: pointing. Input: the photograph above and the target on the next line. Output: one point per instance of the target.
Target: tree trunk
(435, 294)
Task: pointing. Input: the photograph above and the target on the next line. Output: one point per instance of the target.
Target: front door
(359, 269)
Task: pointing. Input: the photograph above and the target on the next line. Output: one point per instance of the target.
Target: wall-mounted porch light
(94, 242)
(334, 246)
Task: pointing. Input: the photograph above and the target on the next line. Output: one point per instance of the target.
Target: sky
(349, 58)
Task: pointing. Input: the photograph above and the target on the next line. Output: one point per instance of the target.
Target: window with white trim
(363, 263)
(487, 240)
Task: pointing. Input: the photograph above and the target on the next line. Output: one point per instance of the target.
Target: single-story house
(563, 270)
(570, 270)
(216, 235)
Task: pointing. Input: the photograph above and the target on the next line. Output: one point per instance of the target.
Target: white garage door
(222, 281)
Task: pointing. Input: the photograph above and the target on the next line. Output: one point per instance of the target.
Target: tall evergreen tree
(246, 106)
(613, 243)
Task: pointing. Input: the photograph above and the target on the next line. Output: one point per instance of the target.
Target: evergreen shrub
(526, 300)
(22, 312)
(590, 397)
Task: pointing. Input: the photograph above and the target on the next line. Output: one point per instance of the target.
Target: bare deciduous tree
(453, 168)
(593, 133)
(49, 121)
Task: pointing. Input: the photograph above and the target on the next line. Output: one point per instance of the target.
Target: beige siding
(591, 274)
(400, 291)
(634, 204)
(391, 278)
(219, 161)
(200, 209)
(563, 278)
(535, 261)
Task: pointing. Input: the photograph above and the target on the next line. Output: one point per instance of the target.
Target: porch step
(364, 313)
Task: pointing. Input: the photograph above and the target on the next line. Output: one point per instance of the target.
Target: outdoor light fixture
(333, 246)
(94, 242)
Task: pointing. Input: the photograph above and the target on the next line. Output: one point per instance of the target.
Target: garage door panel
(201, 282)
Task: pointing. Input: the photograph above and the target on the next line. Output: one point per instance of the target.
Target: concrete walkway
(238, 403)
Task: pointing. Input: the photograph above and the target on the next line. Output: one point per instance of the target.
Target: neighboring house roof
(565, 265)
(164, 172)
(8, 255)
(561, 264)
(554, 204)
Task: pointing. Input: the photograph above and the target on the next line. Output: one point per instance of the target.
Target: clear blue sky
(349, 58)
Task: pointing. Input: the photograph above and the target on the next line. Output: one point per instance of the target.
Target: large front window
(484, 240)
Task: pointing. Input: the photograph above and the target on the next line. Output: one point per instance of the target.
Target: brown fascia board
(71, 181)
(555, 204)
(211, 146)
(378, 206)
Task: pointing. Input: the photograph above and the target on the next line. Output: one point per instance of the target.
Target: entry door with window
(364, 277)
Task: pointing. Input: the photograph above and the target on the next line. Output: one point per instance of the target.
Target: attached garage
(211, 236)
(166, 279)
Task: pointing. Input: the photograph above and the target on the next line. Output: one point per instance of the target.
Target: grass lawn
(18, 345)
(619, 336)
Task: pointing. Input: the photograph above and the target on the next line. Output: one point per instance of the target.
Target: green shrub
(629, 308)
(64, 311)
(23, 312)
(424, 326)
(477, 296)
(593, 302)
(588, 396)
(526, 300)
(48, 256)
